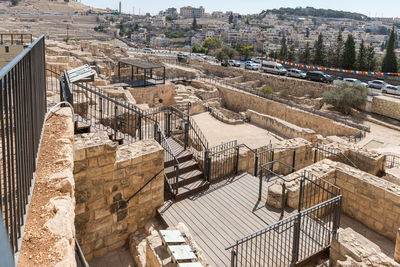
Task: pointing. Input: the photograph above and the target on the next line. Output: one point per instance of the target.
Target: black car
(224, 63)
(318, 76)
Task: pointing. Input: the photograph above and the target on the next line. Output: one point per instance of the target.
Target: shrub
(285, 93)
(346, 96)
(268, 90)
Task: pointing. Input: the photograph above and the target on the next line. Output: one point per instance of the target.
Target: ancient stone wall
(371, 200)
(387, 106)
(106, 175)
(154, 95)
(296, 87)
(282, 127)
(352, 249)
(240, 101)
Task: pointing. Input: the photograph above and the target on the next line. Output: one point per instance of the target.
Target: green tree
(247, 21)
(337, 60)
(221, 55)
(230, 19)
(362, 57)
(198, 49)
(346, 96)
(292, 53)
(194, 24)
(319, 51)
(305, 56)
(211, 43)
(247, 50)
(371, 60)
(283, 52)
(389, 63)
(229, 51)
(349, 53)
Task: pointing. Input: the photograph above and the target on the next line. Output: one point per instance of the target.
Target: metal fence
(392, 161)
(325, 152)
(293, 239)
(23, 108)
(15, 38)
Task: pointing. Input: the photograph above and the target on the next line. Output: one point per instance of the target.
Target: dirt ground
(381, 139)
(218, 132)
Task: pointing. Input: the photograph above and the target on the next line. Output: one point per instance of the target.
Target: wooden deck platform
(225, 212)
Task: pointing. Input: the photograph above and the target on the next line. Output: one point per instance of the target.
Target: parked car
(257, 59)
(318, 76)
(351, 80)
(224, 63)
(148, 50)
(377, 84)
(391, 89)
(251, 66)
(234, 63)
(273, 67)
(296, 73)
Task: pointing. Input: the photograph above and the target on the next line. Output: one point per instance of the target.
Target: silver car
(377, 84)
(296, 73)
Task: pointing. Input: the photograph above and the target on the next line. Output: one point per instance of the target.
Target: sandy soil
(382, 139)
(38, 240)
(218, 132)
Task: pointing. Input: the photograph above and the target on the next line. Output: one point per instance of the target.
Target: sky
(374, 8)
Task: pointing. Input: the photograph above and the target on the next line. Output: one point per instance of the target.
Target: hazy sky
(386, 8)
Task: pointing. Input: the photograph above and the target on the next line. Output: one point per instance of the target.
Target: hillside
(310, 11)
(44, 6)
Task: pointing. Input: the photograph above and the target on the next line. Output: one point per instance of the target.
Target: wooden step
(191, 189)
(182, 157)
(187, 178)
(184, 167)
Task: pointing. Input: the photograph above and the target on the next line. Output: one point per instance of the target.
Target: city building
(192, 12)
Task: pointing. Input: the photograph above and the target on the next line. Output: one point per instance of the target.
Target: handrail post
(168, 126)
(294, 160)
(336, 217)
(260, 185)
(176, 167)
(233, 257)
(140, 126)
(283, 201)
(237, 159)
(115, 121)
(296, 239)
(315, 154)
(301, 194)
(255, 164)
(186, 138)
(205, 165)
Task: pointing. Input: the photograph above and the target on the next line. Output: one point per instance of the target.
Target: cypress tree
(337, 61)
(389, 63)
(305, 56)
(349, 53)
(194, 24)
(292, 53)
(371, 61)
(283, 53)
(319, 51)
(362, 57)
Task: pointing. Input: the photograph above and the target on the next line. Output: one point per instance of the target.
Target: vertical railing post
(115, 121)
(255, 164)
(315, 154)
(101, 110)
(155, 131)
(296, 239)
(140, 126)
(336, 217)
(233, 257)
(301, 194)
(176, 167)
(186, 138)
(237, 159)
(168, 126)
(294, 161)
(205, 165)
(260, 185)
(283, 201)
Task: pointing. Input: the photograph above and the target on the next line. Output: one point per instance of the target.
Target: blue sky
(387, 8)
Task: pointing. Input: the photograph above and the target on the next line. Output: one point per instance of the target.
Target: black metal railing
(23, 109)
(290, 240)
(392, 161)
(15, 38)
(79, 257)
(324, 152)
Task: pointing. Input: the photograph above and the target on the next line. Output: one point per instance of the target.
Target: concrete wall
(282, 127)
(240, 101)
(6, 57)
(106, 175)
(387, 106)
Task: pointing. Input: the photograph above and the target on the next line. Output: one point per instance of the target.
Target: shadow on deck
(220, 215)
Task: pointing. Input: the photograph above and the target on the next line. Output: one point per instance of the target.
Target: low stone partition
(279, 126)
(369, 199)
(155, 95)
(353, 249)
(240, 101)
(49, 235)
(226, 116)
(387, 106)
(106, 175)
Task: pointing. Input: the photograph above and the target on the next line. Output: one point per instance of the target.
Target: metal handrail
(338, 154)
(281, 222)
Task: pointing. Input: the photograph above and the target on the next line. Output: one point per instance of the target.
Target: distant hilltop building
(192, 12)
(172, 12)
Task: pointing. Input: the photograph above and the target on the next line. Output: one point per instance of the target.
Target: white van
(273, 67)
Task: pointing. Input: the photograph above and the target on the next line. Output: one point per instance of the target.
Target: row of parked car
(318, 76)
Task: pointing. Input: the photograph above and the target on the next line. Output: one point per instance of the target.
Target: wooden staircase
(191, 178)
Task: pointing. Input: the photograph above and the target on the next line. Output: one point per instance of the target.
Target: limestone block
(274, 197)
(397, 248)
(137, 247)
